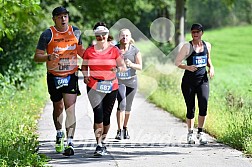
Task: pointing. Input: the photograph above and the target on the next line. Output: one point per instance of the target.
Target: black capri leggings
(190, 88)
(102, 104)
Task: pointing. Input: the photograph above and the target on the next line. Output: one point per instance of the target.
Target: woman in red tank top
(100, 64)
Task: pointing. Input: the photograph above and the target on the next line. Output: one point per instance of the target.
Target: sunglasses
(101, 34)
(193, 32)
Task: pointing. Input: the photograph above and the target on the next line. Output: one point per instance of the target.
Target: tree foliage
(85, 14)
(17, 35)
(215, 13)
(17, 14)
(22, 21)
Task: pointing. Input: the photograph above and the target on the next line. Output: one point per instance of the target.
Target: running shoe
(69, 150)
(119, 135)
(59, 146)
(190, 139)
(126, 134)
(202, 138)
(100, 151)
(105, 152)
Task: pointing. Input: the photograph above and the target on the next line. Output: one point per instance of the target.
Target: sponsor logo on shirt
(58, 49)
(59, 40)
(69, 40)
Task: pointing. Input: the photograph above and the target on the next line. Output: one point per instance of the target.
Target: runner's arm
(182, 55)
(121, 66)
(80, 50)
(138, 64)
(41, 56)
(209, 61)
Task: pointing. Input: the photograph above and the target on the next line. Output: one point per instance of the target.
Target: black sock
(200, 130)
(124, 127)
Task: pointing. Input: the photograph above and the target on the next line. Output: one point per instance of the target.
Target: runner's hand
(53, 56)
(211, 72)
(86, 80)
(191, 68)
(114, 70)
(128, 62)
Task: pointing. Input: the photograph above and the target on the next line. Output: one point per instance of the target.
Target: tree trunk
(180, 22)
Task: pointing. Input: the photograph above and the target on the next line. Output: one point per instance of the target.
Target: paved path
(157, 140)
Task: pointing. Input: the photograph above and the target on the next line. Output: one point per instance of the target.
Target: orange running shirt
(64, 44)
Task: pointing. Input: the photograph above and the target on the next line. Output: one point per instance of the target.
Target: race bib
(124, 75)
(200, 61)
(64, 64)
(61, 81)
(104, 86)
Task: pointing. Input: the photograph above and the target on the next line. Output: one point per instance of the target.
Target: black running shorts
(56, 94)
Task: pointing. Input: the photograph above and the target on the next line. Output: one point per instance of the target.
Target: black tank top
(199, 60)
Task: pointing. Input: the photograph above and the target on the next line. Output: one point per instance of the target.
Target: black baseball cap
(197, 26)
(59, 10)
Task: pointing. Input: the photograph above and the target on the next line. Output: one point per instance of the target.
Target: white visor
(101, 29)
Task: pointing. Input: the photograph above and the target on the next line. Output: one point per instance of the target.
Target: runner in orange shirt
(58, 46)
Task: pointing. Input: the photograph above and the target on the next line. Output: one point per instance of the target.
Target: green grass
(19, 112)
(231, 48)
(230, 104)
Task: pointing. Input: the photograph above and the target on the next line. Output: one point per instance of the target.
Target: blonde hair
(132, 41)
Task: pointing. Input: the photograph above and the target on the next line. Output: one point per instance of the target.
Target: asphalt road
(157, 139)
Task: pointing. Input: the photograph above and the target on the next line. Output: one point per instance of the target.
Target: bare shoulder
(207, 44)
(185, 46)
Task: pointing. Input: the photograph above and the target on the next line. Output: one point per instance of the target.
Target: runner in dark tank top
(195, 80)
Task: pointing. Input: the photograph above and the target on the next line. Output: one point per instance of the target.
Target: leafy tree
(226, 12)
(17, 14)
(180, 22)
(85, 14)
(19, 20)
(216, 13)
(242, 11)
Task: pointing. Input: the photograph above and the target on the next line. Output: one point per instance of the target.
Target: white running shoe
(202, 138)
(190, 139)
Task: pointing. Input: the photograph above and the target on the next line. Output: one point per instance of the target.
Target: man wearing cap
(58, 46)
(195, 79)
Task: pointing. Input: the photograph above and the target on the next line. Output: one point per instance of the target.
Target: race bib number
(104, 86)
(200, 61)
(124, 75)
(61, 81)
(64, 64)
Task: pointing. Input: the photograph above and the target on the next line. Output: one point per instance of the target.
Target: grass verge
(19, 113)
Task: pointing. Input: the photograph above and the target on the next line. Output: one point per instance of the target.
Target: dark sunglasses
(101, 34)
(193, 32)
